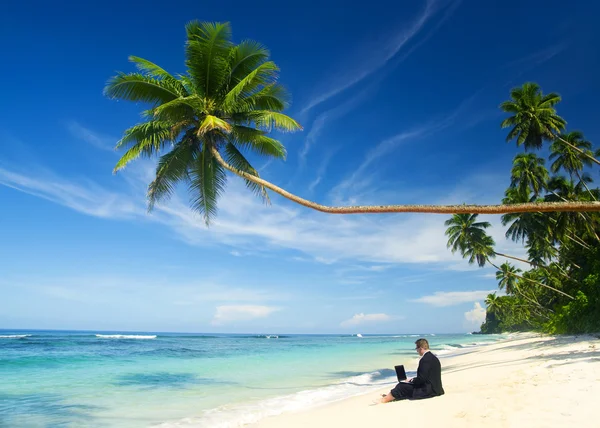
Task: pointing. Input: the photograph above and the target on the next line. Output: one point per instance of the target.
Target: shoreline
(373, 372)
(527, 380)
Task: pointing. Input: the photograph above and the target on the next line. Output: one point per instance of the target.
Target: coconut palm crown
(227, 101)
(534, 118)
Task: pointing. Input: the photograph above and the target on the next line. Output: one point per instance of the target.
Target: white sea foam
(232, 416)
(15, 336)
(124, 336)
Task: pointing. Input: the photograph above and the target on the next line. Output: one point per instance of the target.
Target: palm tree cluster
(560, 289)
(207, 121)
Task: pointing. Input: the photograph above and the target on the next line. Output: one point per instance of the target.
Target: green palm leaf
(207, 182)
(207, 52)
(238, 161)
(172, 168)
(263, 75)
(148, 68)
(137, 87)
(244, 58)
(258, 142)
(147, 139)
(268, 120)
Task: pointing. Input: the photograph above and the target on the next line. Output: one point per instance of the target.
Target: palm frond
(180, 109)
(258, 142)
(269, 120)
(147, 138)
(207, 55)
(172, 167)
(238, 161)
(150, 69)
(207, 182)
(137, 87)
(244, 58)
(272, 97)
(264, 74)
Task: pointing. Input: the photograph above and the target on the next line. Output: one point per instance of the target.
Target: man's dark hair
(422, 343)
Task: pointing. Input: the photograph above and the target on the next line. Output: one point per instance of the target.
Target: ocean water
(117, 379)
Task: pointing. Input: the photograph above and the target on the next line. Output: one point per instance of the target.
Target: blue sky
(399, 105)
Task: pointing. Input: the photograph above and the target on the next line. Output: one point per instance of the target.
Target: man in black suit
(427, 383)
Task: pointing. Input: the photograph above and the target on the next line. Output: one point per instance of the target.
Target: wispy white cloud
(488, 275)
(378, 57)
(100, 288)
(475, 316)
(322, 169)
(332, 114)
(230, 313)
(359, 180)
(93, 138)
(529, 62)
(245, 225)
(362, 318)
(452, 298)
(80, 195)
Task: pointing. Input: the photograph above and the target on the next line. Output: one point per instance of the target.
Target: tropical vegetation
(556, 289)
(209, 119)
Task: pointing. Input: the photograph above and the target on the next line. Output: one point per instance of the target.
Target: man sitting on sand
(427, 383)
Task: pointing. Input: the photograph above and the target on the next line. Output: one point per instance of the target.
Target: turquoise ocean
(118, 379)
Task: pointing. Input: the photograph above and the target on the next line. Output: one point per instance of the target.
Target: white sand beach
(528, 381)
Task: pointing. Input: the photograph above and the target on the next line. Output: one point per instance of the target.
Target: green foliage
(560, 292)
(228, 100)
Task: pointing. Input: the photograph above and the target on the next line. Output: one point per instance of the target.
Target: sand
(528, 381)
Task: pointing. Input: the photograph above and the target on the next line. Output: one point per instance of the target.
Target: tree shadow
(166, 380)
(589, 352)
(51, 410)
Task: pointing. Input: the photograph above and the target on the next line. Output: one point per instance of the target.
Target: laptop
(401, 374)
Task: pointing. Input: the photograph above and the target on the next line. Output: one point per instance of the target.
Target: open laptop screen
(401, 373)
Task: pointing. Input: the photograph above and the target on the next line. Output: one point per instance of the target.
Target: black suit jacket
(428, 382)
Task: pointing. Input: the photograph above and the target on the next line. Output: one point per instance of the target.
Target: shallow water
(118, 379)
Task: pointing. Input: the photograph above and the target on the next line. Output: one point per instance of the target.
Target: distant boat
(359, 335)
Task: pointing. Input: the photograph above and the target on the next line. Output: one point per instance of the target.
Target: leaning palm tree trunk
(577, 149)
(433, 209)
(585, 185)
(529, 299)
(512, 257)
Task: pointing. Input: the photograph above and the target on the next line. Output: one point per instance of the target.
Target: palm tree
(493, 304)
(529, 174)
(226, 103)
(202, 123)
(468, 236)
(569, 160)
(534, 118)
(506, 277)
(540, 250)
(564, 189)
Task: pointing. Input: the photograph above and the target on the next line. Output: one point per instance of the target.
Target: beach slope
(536, 381)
